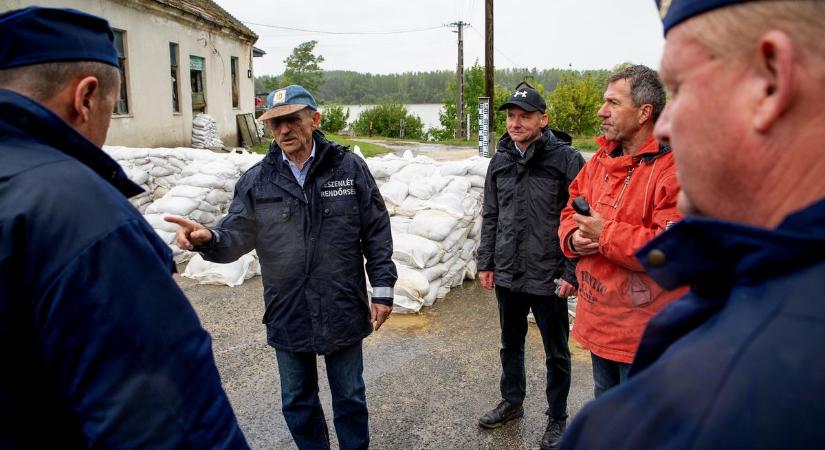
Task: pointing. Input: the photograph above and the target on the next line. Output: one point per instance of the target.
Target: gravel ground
(429, 376)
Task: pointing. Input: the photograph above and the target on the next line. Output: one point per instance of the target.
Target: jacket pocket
(639, 291)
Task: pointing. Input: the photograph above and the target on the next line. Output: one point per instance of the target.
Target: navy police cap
(38, 35)
(674, 12)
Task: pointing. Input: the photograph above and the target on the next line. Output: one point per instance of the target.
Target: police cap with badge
(39, 35)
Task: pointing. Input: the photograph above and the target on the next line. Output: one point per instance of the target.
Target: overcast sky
(582, 34)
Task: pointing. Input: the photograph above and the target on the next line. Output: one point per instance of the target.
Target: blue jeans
(607, 373)
(302, 408)
(551, 317)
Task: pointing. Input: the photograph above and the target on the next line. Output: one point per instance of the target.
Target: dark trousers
(302, 408)
(607, 373)
(551, 317)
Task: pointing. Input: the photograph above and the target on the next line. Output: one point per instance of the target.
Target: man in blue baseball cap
(313, 213)
(739, 362)
(103, 349)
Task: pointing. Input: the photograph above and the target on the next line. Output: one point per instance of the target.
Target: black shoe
(501, 414)
(552, 435)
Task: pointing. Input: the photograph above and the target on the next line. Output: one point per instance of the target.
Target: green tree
(574, 103)
(334, 118)
(266, 84)
(385, 120)
(303, 67)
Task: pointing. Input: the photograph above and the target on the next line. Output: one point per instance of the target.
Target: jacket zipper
(626, 182)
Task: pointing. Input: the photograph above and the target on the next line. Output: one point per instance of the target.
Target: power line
(515, 64)
(306, 30)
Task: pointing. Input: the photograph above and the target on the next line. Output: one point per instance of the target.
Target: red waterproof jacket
(636, 195)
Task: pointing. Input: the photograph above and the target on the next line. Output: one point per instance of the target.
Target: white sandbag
(232, 274)
(204, 218)
(405, 305)
(475, 230)
(431, 296)
(188, 191)
(414, 251)
(202, 180)
(468, 248)
(434, 272)
(179, 206)
(400, 224)
(457, 168)
(413, 172)
(156, 221)
(411, 282)
(433, 225)
(394, 192)
(384, 168)
(476, 180)
(425, 188)
(165, 236)
(218, 197)
(478, 166)
(411, 206)
(472, 269)
(458, 185)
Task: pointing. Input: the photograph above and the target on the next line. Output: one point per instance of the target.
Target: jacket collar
(649, 151)
(547, 138)
(711, 255)
(38, 123)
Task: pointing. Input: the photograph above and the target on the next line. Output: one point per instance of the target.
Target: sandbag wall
(435, 211)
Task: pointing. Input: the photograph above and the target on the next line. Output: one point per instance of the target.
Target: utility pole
(489, 69)
(459, 73)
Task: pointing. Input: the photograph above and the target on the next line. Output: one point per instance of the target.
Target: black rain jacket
(311, 243)
(523, 199)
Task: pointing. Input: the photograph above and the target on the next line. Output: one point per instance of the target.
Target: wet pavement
(429, 376)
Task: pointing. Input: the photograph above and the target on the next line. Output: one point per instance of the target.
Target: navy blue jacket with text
(100, 347)
(311, 242)
(737, 363)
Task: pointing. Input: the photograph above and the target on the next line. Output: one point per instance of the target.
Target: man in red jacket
(631, 187)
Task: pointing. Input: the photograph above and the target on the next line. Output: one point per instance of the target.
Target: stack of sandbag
(435, 211)
(205, 132)
(196, 184)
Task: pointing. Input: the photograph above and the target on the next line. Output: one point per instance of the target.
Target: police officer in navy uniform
(313, 213)
(102, 349)
(739, 362)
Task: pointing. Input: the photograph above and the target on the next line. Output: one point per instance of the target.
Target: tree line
(573, 97)
(355, 88)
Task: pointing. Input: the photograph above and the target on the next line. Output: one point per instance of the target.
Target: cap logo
(663, 7)
(522, 94)
(280, 96)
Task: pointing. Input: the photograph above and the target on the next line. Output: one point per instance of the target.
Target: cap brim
(525, 106)
(280, 111)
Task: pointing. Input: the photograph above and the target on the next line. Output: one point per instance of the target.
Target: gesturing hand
(190, 234)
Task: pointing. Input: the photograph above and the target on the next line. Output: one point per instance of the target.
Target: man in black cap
(519, 254)
(313, 213)
(738, 362)
(103, 349)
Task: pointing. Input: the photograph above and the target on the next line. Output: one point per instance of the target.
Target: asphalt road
(429, 376)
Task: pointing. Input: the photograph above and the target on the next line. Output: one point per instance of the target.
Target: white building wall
(149, 29)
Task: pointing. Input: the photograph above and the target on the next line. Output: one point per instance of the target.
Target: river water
(427, 112)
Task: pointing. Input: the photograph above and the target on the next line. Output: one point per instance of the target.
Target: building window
(196, 69)
(233, 67)
(173, 67)
(122, 104)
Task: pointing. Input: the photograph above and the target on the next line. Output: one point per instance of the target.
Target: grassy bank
(366, 148)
